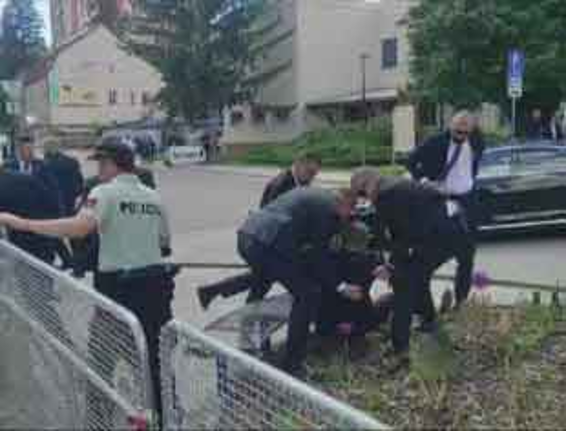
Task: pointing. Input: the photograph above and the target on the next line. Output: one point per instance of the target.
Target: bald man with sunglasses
(450, 162)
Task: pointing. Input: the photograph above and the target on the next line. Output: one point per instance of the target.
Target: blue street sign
(515, 72)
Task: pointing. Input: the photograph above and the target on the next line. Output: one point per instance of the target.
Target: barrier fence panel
(71, 359)
(207, 385)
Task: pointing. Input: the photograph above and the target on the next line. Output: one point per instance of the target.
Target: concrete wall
(96, 65)
(36, 101)
(328, 40)
(331, 37)
(282, 89)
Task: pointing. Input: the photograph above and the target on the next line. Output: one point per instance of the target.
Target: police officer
(133, 229)
(85, 250)
(415, 226)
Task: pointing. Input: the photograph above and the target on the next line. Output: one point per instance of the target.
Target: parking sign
(515, 73)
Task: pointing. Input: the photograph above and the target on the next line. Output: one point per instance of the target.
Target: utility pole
(364, 57)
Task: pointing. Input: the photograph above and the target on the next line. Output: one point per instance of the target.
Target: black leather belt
(152, 271)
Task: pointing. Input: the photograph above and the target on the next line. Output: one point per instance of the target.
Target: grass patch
(488, 367)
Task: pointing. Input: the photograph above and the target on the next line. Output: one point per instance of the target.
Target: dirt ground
(488, 367)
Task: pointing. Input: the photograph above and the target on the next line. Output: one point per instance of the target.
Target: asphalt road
(206, 207)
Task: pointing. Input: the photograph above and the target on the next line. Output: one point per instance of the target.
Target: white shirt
(460, 179)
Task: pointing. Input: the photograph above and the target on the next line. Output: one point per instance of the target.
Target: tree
(22, 42)
(460, 50)
(204, 50)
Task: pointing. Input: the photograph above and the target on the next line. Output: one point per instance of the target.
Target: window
(389, 53)
(133, 97)
(113, 97)
(146, 98)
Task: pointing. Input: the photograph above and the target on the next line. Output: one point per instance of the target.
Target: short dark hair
(114, 149)
(309, 156)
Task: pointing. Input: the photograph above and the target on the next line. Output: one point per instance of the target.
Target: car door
(494, 184)
(539, 183)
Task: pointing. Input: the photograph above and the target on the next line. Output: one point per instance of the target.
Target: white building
(316, 55)
(89, 82)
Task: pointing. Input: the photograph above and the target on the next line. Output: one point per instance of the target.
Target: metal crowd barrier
(207, 385)
(70, 359)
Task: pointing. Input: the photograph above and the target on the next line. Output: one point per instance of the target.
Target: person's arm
(417, 159)
(75, 227)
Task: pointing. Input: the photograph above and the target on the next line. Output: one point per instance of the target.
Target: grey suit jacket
(304, 218)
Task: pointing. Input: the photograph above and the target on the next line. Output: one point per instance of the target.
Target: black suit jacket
(281, 184)
(304, 218)
(67, 172)
(41, 171)
(25, 196)
(429, 159)
(409, 215)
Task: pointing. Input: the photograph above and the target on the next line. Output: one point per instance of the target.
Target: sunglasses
(461, 132)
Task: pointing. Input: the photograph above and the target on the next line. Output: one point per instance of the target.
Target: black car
(522, 186)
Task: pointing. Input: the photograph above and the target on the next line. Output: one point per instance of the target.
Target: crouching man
(415, 225)
(284, 242)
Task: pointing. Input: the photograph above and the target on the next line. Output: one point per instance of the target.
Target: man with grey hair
(413, 224)
(450, 162)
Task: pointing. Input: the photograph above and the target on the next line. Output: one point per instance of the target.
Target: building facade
(88, 83)
(322, 59)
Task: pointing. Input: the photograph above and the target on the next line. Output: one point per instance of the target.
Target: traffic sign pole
(515, 74)
(514, 117)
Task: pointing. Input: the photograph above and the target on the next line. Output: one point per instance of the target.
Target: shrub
(342, 146)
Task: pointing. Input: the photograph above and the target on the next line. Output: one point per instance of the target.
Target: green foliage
(460, 50)
(21, 41)
(6, 119)
(537, 324)
(203, 49)
(338, 147)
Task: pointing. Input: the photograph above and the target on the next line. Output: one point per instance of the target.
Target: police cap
(117, 151)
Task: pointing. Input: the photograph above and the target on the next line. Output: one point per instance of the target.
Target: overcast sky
(43, 6)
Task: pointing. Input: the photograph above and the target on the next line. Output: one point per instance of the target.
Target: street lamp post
(364, 57)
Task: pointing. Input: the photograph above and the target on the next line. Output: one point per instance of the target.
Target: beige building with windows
(89, 82)
(316, 57)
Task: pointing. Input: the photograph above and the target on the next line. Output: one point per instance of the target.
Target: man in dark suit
(301, 174)
(67, 172)
(414, 225)
(278, 241)
(26, 162)
(450, 162)
(26, 196)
